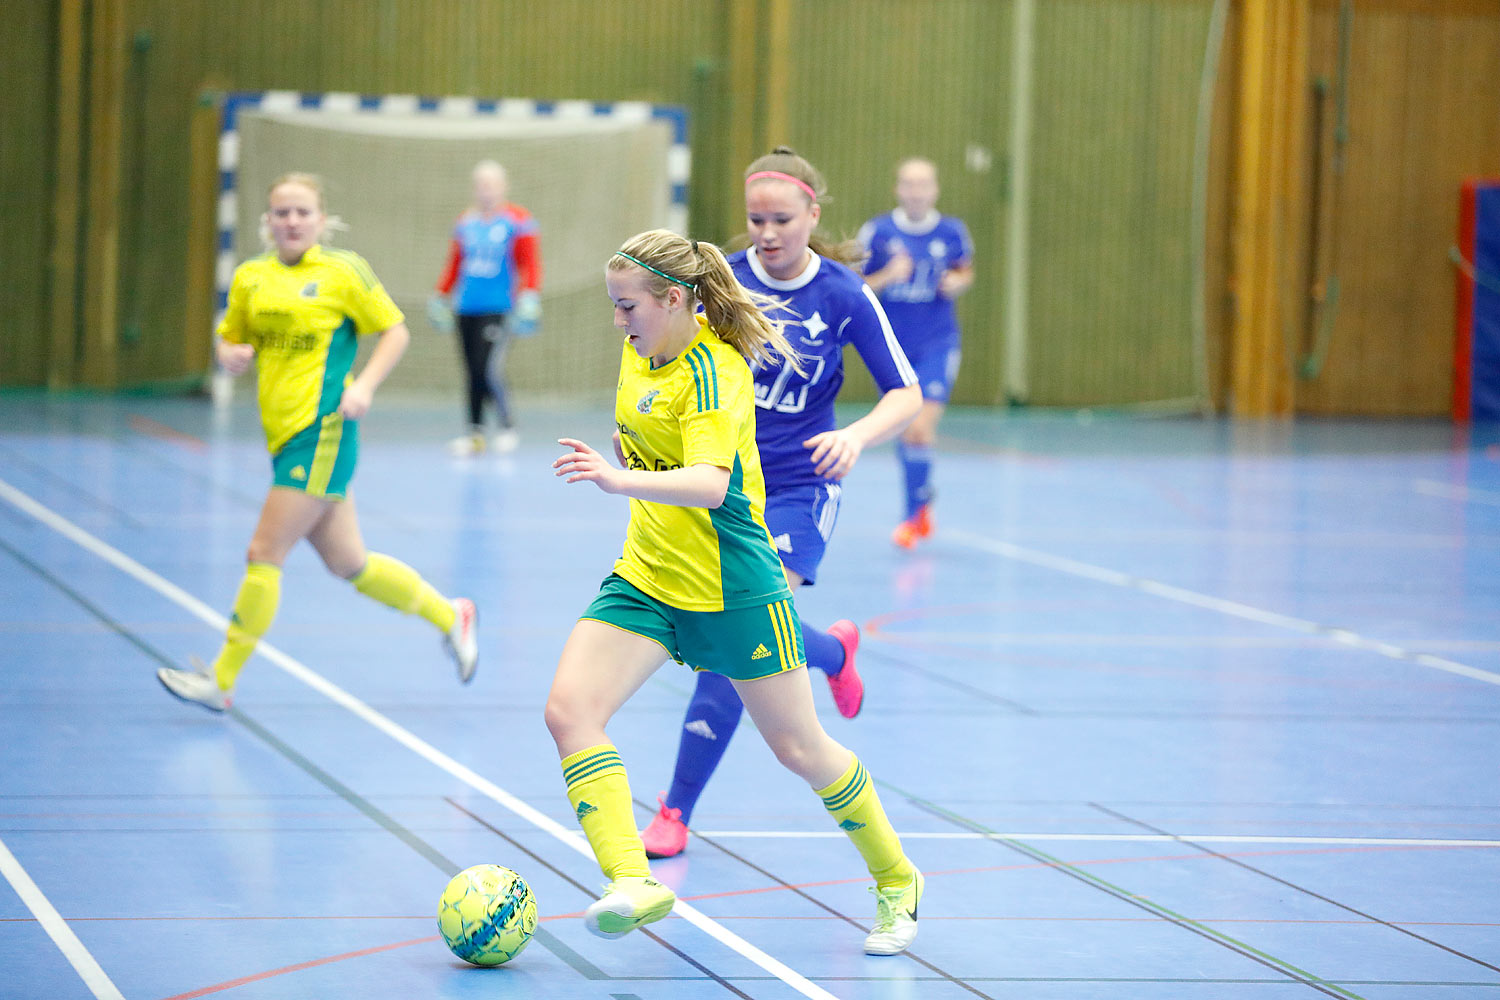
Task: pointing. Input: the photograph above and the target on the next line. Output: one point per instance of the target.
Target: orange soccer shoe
(914, 529)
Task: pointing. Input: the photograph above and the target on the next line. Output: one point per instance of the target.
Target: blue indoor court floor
(1168, 708)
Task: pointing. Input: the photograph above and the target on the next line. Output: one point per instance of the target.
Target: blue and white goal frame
(679, 158)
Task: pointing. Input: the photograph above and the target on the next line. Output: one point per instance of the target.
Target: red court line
(199, 918)
(160, 431)
(314, 963)
(1195, 856)
(874, 625)
(243, 980)
(813, 916)
(1063, 863)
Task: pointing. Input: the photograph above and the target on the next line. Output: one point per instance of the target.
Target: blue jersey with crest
(922, 316)
(830, 306)
(487, 272)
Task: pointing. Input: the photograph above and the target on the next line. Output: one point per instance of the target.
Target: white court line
(1449, 491)
(1105, 639)
(1133, 838)
(411, 741)
(1099, 573)
(57, 928)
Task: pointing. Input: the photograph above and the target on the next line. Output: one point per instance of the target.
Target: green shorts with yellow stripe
(744, 644)
(320, 459)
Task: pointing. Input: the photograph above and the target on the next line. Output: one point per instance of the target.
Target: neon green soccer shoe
(895, 918)
(628, 903)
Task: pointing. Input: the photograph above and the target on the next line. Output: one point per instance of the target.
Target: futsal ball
(487, 914)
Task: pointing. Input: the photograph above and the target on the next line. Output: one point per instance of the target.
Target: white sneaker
(467, 444)
(462, 639)
(628, 903)
(895, 918)
(506, 440)
(197, 685)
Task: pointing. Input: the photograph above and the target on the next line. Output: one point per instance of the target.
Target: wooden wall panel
(568, 49)
(1111, 263)
(1219, 299)
(875, 81)
(1424, 101)
(26, 152)
(864, 82)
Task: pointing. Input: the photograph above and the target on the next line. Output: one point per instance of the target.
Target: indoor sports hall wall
(108, 229)
(27, 77)
(1109, 242)
(1423, 115)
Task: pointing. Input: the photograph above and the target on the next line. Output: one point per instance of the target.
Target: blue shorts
(801, 519)
(936, 368)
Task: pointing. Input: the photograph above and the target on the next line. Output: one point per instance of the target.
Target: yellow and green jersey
(697, 409)
(303, 320)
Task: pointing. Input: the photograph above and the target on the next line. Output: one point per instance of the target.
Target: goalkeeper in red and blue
(492, 286)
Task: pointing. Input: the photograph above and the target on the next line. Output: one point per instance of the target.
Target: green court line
(910, 954)
(1134, 899)
(949, 682)
(328, 781)
(554, 869)
(42, 472)
(548, 940)
(1220, 855)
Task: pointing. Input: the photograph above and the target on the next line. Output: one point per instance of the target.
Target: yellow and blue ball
(487, 914)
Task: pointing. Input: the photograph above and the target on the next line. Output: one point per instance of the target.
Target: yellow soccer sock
(600, 794)
(853, 802)
(254, 608)
(393, 583)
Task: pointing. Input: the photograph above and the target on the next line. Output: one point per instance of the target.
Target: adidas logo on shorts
(761, 652)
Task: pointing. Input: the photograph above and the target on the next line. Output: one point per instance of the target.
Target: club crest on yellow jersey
(644, 403)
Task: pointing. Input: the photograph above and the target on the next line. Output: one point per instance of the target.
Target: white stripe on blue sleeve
(908, 377)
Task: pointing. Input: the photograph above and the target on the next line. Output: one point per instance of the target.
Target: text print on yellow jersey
(633, 459)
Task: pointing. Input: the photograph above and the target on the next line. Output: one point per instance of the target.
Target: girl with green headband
(699, 580)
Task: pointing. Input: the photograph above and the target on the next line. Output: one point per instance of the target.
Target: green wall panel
(866, 83)
(26, 151)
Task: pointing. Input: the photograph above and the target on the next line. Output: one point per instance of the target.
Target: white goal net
(400, 180)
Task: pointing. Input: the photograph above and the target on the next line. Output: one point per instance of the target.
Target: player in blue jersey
(803, 452)
(493, 279)
(918, 262)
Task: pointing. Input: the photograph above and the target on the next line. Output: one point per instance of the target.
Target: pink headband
(778, 175)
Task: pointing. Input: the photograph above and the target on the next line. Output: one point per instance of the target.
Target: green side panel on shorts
(749, 570)
(301, 453)
(342, 347)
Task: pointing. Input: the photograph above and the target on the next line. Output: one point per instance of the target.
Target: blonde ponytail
(735, 314)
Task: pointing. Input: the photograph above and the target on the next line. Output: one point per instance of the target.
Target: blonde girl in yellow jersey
(699, 580)
(296, 312)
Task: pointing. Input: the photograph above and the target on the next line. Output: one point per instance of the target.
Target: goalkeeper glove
(439, 314)
(527, 314)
